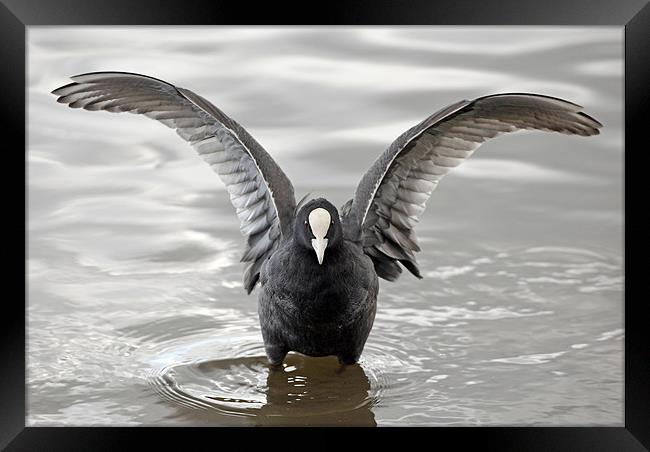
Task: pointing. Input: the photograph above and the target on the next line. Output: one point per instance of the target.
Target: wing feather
(392, 195)
(259, 190)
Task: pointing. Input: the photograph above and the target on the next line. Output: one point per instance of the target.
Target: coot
(318, 266)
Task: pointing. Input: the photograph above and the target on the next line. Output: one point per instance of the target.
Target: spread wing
(392, 195)
(259, 190)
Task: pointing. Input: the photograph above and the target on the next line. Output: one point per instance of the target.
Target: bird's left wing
(259, 190)
(392, 194)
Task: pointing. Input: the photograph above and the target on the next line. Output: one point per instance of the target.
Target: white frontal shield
(319, 222)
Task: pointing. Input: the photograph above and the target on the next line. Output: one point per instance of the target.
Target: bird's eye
(306, 223)
(332, 222)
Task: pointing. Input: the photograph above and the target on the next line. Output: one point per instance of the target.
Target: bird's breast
(335, 290)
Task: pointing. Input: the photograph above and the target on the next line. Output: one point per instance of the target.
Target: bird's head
(318, 227)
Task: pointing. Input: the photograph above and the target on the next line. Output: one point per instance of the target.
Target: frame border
(16, 15)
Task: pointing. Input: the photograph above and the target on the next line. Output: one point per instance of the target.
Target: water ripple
(136, 315)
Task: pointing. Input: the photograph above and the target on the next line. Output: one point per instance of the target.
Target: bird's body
(318, 266)
(317, 309)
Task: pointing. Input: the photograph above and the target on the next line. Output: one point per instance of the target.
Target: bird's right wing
(259, 190)
(392, 195)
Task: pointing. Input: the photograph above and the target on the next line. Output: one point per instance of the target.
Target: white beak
(319, 246)
(319, 222)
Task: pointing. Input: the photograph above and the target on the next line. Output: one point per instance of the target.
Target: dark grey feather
(392, 195)
(259, 190)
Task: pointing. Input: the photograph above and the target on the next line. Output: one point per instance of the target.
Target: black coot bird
(318, 266)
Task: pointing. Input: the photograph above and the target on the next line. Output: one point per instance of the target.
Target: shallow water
(136, 312)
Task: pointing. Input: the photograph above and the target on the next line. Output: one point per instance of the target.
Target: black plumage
(317, 309)
(318, 267)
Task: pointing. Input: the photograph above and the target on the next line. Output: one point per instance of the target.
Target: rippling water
(136, 312)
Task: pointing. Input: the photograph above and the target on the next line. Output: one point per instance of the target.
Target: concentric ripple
(305, 391)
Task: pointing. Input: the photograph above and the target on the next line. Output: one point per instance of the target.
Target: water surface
(136, 312)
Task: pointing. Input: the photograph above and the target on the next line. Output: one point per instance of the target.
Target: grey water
(135, 309)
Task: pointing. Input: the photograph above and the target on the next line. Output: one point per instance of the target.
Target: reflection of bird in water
(312, 391)
(305, 391)
(318, 266)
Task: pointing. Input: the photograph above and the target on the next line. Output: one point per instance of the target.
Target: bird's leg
(275, 355)
(345, 361)
(340, 369)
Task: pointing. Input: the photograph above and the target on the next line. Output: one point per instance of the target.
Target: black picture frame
(16, 15)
